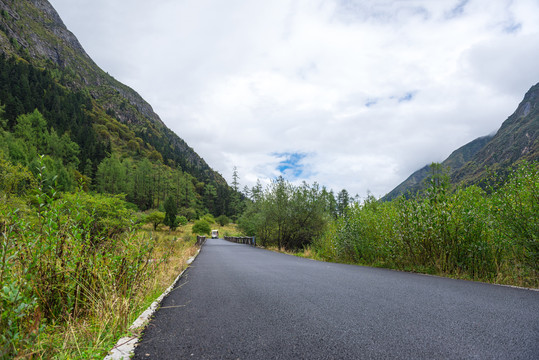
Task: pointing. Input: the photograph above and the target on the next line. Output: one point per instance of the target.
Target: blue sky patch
(290, 166)
(512, 27)
(407, 97)
(457, 10)
(371, 102)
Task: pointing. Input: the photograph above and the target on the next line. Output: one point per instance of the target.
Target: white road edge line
(125, 347)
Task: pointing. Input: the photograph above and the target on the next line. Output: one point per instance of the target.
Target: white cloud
(369, 91)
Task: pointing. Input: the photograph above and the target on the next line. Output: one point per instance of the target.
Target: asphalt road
(239, 302)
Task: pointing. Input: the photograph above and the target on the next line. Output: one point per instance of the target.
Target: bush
(155, 218)
(469, 232)
(223, 220)
(201, 227)
(208, 218)
(515, 206)
(182, 221)
(59, 265)
(188, 213)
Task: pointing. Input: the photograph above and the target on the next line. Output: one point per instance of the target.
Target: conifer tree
(171, 210)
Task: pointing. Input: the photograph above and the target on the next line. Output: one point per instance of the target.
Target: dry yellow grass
(173, 249)
(111, 315)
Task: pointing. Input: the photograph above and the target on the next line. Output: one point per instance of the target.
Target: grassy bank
(76, 270)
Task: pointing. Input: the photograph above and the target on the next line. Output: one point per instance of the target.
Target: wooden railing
(200, 240)
(248, 240)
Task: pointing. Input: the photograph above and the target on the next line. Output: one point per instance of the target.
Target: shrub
(201, 227)
(182, 221)
(188, 213)
(155, 218)
(208, 218)
(59, 265)
(223, 220)
(469, 232)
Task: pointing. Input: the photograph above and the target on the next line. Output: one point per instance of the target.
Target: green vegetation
(60, 260)
(171, 211)
(285, 215)
(75, 268)
(468, 233)
(66, 115)
(488, 235)
(223, 220)
(201, 227)
(85, 143)
(155, 218)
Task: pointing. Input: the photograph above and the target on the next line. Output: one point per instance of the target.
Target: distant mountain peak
(515, 140)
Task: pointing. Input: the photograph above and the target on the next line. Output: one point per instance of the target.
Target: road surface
(240, 302)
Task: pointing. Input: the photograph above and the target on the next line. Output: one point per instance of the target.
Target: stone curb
(125, 347)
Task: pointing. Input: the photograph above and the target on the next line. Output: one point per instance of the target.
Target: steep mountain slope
(32, 31)
(516, 140)
(457, 159)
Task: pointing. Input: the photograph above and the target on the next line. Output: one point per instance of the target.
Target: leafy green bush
(468, 232)
(14, 179)
(189, 213)
(201, 227)
(515, 207)
(155, 218)
(182, 221)
(223, 220)
(77, 251)
(208, 218)
(18, 303)
(286, 215)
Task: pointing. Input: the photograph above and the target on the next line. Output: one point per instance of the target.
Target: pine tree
(171, 210)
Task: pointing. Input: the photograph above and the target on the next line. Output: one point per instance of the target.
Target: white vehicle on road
(215, 234)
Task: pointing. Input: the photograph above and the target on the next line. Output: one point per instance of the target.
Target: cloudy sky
(353, 94)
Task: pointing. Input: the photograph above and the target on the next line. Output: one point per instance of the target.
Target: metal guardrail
(249, 240)
(200, 240)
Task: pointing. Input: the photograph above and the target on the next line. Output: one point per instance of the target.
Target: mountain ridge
(459, 157)
(33, 32)
(515, 140)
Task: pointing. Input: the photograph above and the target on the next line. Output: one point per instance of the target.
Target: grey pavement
(240, 302)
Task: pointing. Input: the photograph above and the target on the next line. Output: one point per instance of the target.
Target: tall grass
(469, 233)
(75, 270)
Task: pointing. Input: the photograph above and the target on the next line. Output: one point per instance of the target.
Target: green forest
(82, 143)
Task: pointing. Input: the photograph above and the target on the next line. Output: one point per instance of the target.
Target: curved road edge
(125, 347)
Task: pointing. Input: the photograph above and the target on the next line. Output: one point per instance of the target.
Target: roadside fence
(249, 240)
(201, 240)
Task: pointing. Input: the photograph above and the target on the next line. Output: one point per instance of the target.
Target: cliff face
(516, 140)
(33, 31)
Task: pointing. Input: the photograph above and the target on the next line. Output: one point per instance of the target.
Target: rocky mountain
(456, 160)
(516, 140)
(32, 32)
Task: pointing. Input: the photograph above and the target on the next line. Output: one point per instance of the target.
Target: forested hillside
(117, 143)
